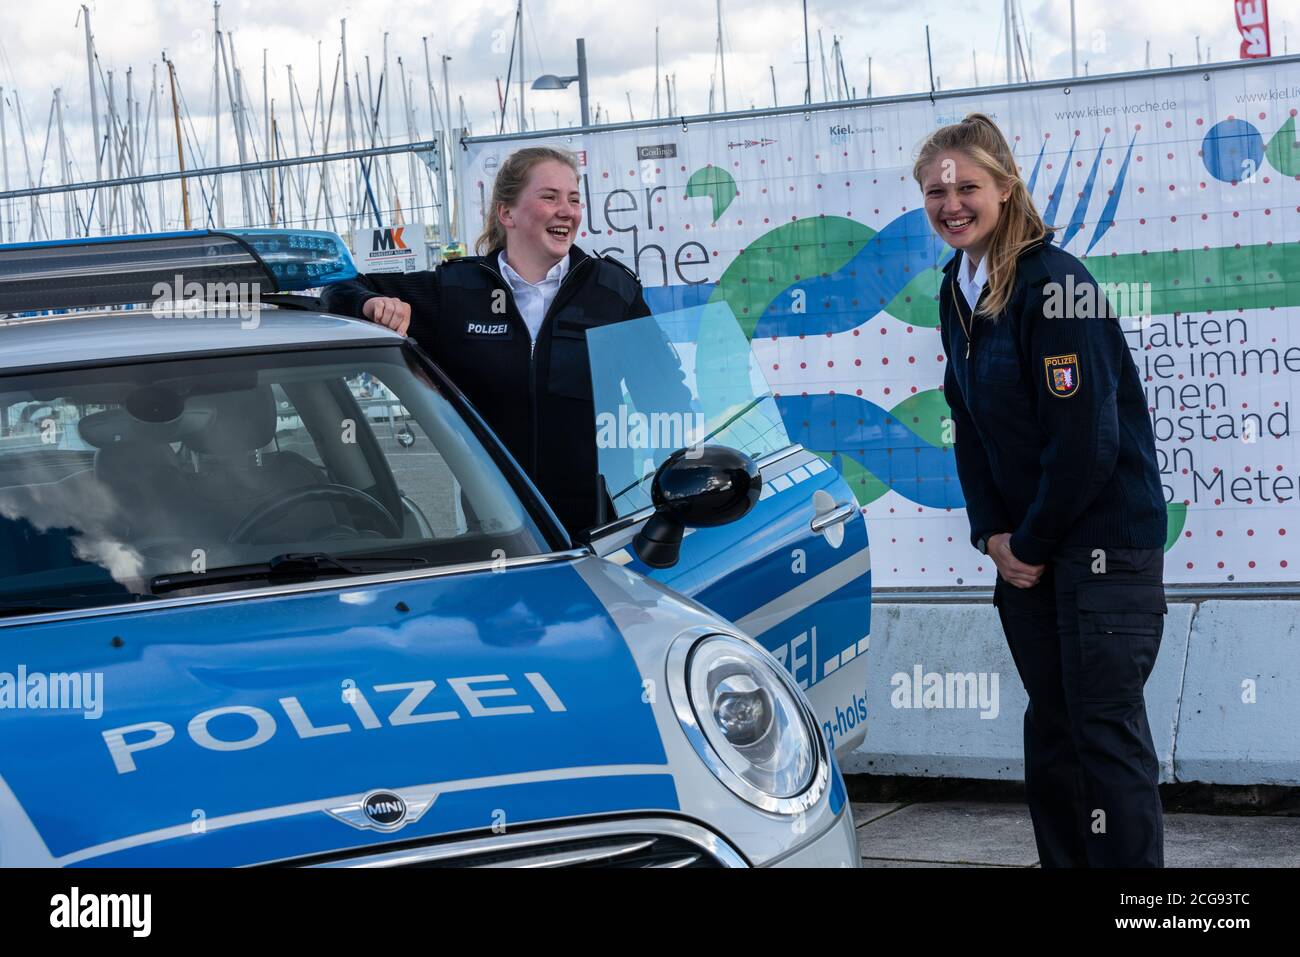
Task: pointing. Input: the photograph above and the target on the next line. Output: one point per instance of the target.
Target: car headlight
(748, 721)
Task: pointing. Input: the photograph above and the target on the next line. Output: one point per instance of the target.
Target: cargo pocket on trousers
(1120, 626)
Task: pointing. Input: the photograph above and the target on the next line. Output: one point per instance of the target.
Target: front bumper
(837, 846)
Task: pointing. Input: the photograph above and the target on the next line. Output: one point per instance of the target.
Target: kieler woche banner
(1181, 193)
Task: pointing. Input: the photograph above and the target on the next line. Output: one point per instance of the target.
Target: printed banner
(1180, 191)
(390, 249)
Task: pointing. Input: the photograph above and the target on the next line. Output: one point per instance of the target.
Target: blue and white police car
(271, 591)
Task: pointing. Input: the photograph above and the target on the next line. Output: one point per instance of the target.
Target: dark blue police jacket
(1053, 440)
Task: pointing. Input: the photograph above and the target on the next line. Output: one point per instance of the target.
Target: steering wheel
(293, 498)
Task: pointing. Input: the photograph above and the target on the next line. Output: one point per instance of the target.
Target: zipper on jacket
(532, 358)
(532, 348)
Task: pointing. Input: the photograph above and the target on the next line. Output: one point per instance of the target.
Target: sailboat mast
(180, 150)
(94, 106)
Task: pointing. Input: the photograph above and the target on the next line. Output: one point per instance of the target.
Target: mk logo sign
(388, 239)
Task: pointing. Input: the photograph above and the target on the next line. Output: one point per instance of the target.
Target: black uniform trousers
(1084, 640)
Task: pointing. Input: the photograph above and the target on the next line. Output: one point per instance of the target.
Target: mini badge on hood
(384, 810)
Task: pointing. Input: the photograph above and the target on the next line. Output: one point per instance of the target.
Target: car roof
(108, 337)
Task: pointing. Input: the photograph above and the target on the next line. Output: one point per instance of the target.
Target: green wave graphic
(1283, 150)
(715, 183)
(1194, 280)
(1177, 512)
(866, 487)
(768, 266)
(918, 303)
(924, 414)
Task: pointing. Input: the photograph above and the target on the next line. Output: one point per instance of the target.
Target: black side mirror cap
(696, 487)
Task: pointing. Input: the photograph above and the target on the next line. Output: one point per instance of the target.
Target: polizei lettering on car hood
(279, 727)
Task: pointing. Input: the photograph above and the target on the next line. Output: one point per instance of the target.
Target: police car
(245, 621)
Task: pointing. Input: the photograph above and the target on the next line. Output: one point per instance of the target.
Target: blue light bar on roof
(124, 270)
(299, 258)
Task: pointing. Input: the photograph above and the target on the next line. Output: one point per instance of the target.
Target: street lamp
(552, 82)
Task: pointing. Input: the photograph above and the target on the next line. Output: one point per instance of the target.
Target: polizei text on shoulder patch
(1062, 374)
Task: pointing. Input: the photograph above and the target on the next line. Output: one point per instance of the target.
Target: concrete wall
(1223, 699)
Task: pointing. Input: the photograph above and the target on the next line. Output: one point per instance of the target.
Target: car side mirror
(699, 487)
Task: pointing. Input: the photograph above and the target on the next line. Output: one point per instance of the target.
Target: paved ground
(984, 833)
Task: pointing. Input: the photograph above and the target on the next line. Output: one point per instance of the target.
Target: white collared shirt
(533, 299)
(972, 286)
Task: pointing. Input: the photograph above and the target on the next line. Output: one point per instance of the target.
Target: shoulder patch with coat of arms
(1062, 374)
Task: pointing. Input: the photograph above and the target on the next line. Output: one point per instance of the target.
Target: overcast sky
(42, 47)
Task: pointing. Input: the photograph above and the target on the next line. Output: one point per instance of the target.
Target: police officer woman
(509, 326)
(1056, 458)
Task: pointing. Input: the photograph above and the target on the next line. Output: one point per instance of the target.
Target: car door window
(670, 381)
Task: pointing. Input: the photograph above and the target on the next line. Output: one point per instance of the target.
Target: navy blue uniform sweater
(1052, 436)
(537, 397)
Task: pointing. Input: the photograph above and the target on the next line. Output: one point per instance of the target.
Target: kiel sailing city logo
(384, 810)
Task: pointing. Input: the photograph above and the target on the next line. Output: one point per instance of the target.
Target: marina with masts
(213, 140)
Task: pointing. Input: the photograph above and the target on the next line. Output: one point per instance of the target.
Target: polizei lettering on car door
(259, 725)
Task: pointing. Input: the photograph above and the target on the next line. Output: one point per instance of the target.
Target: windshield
(112, 476)
(673, 380)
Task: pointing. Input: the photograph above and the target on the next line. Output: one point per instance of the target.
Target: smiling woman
(1056, 458)
(509, 326)
(977, 202)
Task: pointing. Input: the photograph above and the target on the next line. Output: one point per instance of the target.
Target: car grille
(635, 850)
(627, 844)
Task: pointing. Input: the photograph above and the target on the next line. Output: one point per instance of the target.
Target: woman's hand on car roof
(393, 313)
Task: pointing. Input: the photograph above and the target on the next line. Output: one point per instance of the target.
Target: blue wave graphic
(859, 290)
(854, 427)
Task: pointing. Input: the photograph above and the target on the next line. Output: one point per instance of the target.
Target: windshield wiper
(288, 568)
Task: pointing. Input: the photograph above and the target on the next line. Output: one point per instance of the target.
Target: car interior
(122, 474)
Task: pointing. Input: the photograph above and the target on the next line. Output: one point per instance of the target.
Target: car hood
(253, 730)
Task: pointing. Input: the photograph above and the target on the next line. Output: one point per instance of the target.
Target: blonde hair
(1019, 225)
(510, 181)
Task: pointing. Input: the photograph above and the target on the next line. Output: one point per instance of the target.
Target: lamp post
(552, 82)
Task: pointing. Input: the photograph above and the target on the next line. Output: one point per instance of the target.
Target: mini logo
(384, 810)
(1062, 374)
(746, 144)
(661, 151)
(491, 163)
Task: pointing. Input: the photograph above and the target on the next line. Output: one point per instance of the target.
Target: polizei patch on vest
(1062, 374)
(475, 329)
